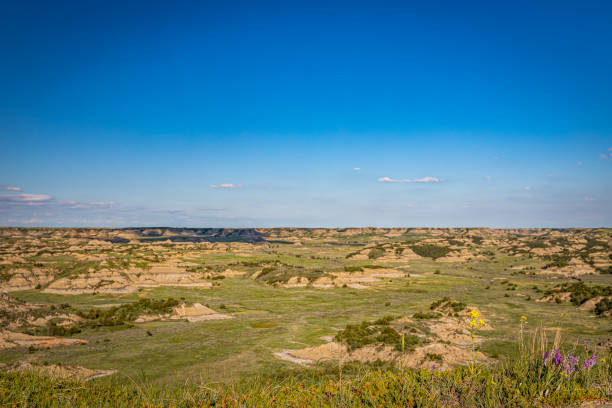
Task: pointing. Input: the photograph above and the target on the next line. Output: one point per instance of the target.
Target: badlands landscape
(172, 306)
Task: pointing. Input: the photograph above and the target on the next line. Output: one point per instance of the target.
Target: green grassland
(227, 349)
(268, 318)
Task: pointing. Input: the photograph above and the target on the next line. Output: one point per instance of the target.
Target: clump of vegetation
(603, 306)
(120, 315)
(536, 243)
(446, 303)
(426, 315)
(353, 269)
(351, 254)
(477, 240)
(434, 357)
(430, 250)
(53, 329)
(509, 285)
(356, 335)
(372, 266)
(281, 274)
(376, 253)
(5, 276)
(385, 320)
(605, 270)
(359, 335)
(557, 261)
(582, 292)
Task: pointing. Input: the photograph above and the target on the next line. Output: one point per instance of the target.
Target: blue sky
(242, 114)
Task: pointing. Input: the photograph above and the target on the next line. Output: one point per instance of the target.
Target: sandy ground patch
(286, 356)
(296, 282)
(194, 313)
(438, 356)
(10, 339)
(323, 283)
(590, 304)
(60, 372)
(230, 273)
(562, 296)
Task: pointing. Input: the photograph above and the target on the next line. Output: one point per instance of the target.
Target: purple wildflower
(570, 365)
(588, 363)
(557, 358)
(546, 355)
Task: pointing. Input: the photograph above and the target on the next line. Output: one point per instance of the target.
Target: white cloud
(11, 188)
(390, 180)
(588, 198)
(488, 178)
(603, 156)
(527, 188)
(226, 185)
(93, 205)
(427, 180)
(421, 180)
(579, 163)
(356, 168)
(25, 198)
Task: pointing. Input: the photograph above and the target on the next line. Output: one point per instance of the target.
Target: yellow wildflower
(481, 322)
(474, 313)
(473, 323)
(523, 317)
(493, 382)
(603, 360)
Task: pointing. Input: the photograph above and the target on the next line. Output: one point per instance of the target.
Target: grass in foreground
(542, 375)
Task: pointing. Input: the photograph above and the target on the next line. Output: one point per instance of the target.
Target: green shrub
(379, 332)
(582, 292)
(557, 261)
(536, 243)
(5, 274)
(385, 320)
(430, 250)
(477, 240)
(119, 315)
(434, 357)
(356, 335)
(376, 253)
(372, 266)
(426, 315)
(448, 303)
(603, 306)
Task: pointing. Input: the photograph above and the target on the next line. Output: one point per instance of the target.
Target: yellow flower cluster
(475, 322)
